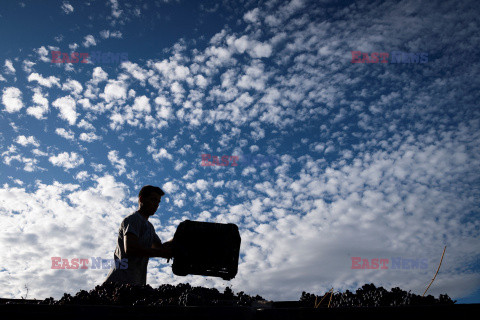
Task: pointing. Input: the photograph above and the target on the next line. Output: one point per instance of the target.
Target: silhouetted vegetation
(185, 295)
(165, 295)
(371, 296)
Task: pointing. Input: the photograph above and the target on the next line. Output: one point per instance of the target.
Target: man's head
(149, 198)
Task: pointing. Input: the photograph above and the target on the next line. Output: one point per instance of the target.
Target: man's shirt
(136, 272)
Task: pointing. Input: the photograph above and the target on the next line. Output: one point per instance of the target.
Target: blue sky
(371, 160)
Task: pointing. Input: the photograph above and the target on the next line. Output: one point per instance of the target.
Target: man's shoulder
(149, 223)
(132, 217)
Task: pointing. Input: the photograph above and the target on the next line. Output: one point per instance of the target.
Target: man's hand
(169, 248)
(168, 244)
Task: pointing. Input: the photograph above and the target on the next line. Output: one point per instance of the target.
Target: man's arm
(159, 244)
(132, 247)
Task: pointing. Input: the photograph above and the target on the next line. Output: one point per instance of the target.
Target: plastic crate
(206, 248)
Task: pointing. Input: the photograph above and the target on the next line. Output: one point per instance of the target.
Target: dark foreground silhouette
(165, 295)
(186, 295)
(127, 302)
(371, 296)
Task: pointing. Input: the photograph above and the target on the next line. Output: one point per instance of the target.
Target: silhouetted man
(137, 241)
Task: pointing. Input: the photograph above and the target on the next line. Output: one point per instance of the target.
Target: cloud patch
(12, 99)
(67, 160)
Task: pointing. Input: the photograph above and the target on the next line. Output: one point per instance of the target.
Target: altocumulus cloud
(12, 99)
(67, 160)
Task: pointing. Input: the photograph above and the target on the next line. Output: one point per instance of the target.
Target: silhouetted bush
(165, 295)
(370, 296)
(185, 295)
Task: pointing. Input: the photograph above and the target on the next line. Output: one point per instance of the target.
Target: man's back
(136, 271)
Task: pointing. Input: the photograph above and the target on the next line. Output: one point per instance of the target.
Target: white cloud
(82, 176)
(18, 181)
(46, 82)
(261, 50)
(241, 44)
(177, 88)
(115, 90)
(67, 108)
(25, 141)
(67, 134)
(43, 54)
(89, 137)
(161, 100)
(116, 161)
(172, 70)
(116, 34)
(98, 108)
(99, 75)
(254, 77)
(85, 125)
(105, 34)
(170, 187)
(89, 41)
(200, 185)
(220, 200)
(116, 12)
(116, 121)
(67, 8)
(9, 69)
(67, 160)
(73, 46)
(27, 66)
(251, 16)
(133, 115)
(30, 164)
(159, 154)
(39, 153)
(218, 56)
(165, 112)
(201, 81)
(254, 48)
(73, 86)
(136, 71)
(98, 167)
(142, 104)
(12, 99)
